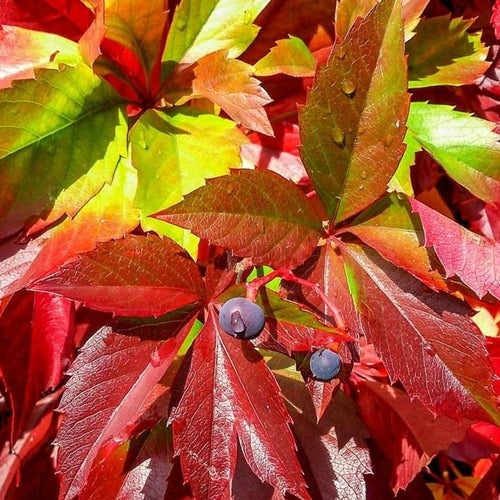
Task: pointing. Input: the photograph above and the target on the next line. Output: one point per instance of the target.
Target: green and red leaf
(229, 84)
(353, 124)
(256, 214)
(442, 52)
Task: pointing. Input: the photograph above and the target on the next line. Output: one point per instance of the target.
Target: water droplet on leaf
(338, 137)
(363, 174)
(429, 350)
(361, 187)
(348, 87)
(155, 359)
(339, 51)
(388, 140)
(181, 24)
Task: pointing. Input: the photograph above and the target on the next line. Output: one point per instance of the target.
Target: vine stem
(252, 289)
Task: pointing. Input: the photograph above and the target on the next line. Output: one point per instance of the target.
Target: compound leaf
(229, 392)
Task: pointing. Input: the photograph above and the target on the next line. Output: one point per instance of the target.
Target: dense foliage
(333, 166)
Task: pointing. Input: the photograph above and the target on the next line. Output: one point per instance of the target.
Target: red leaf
(335, 450)
(279, 153)
(36, 334)
(136, 276)
(473, 258)
(495, 18)
(425, 339)
(53, 330)
(416, 435)
(15, 259)
(69, 19)
(230, 392)
(136, 469)
(256, 214)
(111, 380)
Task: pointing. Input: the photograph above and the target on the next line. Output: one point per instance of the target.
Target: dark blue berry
(242, 318)
(325, 364)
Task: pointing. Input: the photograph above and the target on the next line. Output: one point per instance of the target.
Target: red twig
(252, 289)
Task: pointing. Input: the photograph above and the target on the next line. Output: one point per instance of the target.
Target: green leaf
(401, 180)
(290, 56)
(174, 152)
(465, 146)
(443, 53)
(67, 151)
(200, 27)
(256, 214)
(352, 127)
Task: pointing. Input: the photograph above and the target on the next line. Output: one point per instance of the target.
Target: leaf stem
(252, 289)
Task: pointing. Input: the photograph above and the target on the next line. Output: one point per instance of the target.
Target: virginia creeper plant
(334, 162)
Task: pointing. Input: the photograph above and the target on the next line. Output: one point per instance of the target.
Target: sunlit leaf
(22, 50)
(108, 215)
(228, 393)
(290, 56)
(111, 378)
(55, 162)
(200, 27)
(425, 339)
(473, 258)
(465, 146)
(390, 228)
(353, 124)
(255, 214)
(442, 52)
(229, 84)
(174, 152)
(136, 276)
